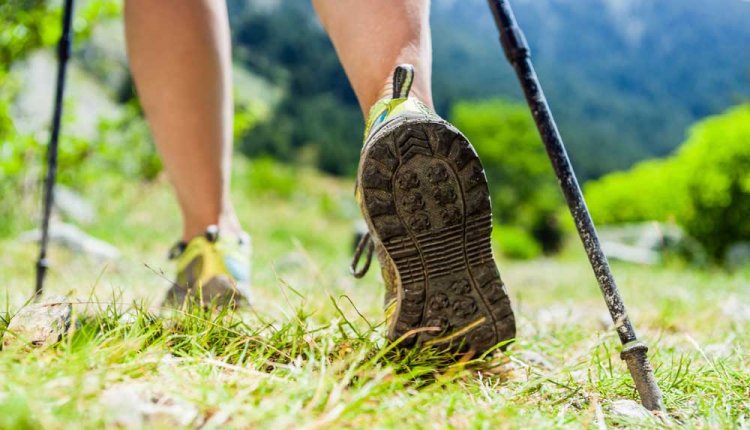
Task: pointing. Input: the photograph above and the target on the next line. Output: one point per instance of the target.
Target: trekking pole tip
(636, 359)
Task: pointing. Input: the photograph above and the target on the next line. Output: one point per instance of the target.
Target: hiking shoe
(211, 269)
(424, 196)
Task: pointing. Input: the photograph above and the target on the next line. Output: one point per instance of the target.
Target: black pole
(518, 54)
(63, 53)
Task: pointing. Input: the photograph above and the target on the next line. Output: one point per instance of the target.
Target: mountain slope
(624, 78)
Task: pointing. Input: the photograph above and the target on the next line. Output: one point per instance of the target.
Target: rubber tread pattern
(426, 199)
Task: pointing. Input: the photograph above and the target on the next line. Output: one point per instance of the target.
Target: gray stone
(71, 205)
(630, 410)
(75, 239)
(736, 309)
(534, 359)
(651, 235)
(39, 324)
(738, 255)
(631, 254)
(31, 111)
(128, 317)
(719, 350)
(647, 242)
(140, 405)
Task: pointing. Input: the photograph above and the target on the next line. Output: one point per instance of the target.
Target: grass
(311, 353)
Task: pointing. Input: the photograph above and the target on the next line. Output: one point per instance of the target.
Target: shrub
(522, 184)
(27, 25)
(651, 190)
(267, 176)
(704, 187)
(716, 159)
(515, 242)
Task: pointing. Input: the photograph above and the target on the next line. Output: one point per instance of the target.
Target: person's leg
(420, 185)
(372, 37)
(179, 53)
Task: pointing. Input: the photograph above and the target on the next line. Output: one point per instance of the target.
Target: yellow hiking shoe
(424, 196)
(211, 269)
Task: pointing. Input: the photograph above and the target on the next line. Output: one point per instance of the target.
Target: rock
(736, 309)
(75, 239)
(128, 317)
(645, 243)
(31, 111)
(505, 370)
(738, 255)
(553, 316)
(630, 410)
(631, 254)
(719, 350)
(140, 405)
(649, 235)
(534, 359)
(605, 320)
(39, 324)
(73, 206)
(580, 376)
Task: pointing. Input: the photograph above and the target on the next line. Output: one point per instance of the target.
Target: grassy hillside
(311, 353)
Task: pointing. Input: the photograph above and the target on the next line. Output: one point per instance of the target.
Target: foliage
(26, 25)
(121, 146)
(246, 117)
(515, 242)
(269, 176)
(717, 163)
(705, 186)
(315, 130)
(318, 121)
(651, 190)
(522, 184)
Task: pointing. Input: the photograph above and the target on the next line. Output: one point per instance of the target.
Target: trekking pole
(633, 352)
(63, 53)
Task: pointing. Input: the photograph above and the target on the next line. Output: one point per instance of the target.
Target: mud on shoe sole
(426, 199)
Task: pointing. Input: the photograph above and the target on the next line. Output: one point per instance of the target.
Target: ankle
(228, 225)
(418, 91)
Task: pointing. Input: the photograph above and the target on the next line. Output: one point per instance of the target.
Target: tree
(704, 186)
(522, 185)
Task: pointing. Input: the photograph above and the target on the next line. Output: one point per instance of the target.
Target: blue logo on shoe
(238, 270)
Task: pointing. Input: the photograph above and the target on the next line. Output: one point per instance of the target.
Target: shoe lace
(365, 242)
(211, 234)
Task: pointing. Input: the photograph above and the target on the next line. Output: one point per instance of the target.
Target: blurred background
(651, 98)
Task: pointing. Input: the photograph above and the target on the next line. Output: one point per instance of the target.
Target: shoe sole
(426, 199)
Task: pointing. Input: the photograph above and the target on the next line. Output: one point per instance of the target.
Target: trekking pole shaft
(517, 52)
(63, 53)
